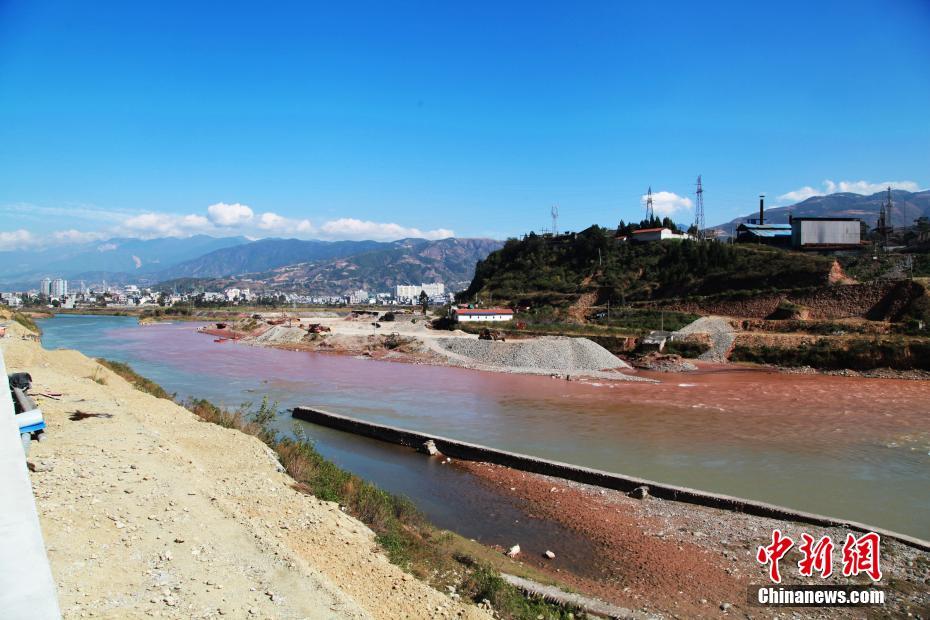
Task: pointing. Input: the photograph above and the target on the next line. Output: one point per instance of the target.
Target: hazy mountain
(376, 267)
(908, 206)
(115, 259)
(408, 261)
(264, 255)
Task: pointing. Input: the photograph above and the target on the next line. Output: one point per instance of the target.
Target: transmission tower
(650, 213)
(884, 226)
(555, 220)
(699, 210)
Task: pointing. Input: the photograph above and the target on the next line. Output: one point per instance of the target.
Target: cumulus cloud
(668, 203)
(226, 219)
(351, 228)
(273, 222)
(854, 187)
(16, 239)
(150, 225)
(235, 214)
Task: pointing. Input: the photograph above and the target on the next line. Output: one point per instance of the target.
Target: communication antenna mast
(699, 210)
(555, 220)
(884, 226)
(650, 213)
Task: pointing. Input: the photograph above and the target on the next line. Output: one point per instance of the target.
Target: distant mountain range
(908, 206)
(319, 267)
(117, 260)
(368, 265)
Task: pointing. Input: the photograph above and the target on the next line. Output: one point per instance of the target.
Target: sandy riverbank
(149, 511)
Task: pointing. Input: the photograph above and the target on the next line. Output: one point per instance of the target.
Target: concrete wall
(474, 452)
(27, 589)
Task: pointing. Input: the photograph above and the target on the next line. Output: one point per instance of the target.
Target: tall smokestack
(761, 208)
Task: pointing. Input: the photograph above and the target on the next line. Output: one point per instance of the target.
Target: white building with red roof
(463, 315)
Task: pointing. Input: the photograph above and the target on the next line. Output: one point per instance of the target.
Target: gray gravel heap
(722, 336)
(550, 353)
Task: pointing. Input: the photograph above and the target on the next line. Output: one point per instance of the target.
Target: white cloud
(351, 228)
(151, 225)
(667, 203)
(224, 219)
(855, 187)
(273, 222)
(16, 239)
(235, 214)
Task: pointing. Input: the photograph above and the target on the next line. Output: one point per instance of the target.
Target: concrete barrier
(586, 475)
(27, 589)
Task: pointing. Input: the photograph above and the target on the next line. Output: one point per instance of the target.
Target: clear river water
(848, 447)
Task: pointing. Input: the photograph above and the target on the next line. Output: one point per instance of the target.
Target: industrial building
(825, 233)
(645, 235)
(462, 315)
(778, 235)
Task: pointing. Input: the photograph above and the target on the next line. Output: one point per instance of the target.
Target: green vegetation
(686, 348)
(26, 321)
(855, 353)
(546, 272)
(643, 319)
(138, 381)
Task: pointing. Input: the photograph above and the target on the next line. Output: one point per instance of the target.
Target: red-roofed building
(482, 314)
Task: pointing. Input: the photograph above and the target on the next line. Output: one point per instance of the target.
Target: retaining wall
(474, 452)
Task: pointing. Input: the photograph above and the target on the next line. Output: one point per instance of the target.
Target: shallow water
(848, 447)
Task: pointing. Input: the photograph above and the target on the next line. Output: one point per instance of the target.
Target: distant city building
(45, 288)
(657, 234)
(463, 315)
(825, 232)
(412, 291)
(358, 297)
(59, 288)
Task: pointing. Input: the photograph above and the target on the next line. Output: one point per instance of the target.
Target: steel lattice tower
(650, 213)
(555, 220)
(699, 210)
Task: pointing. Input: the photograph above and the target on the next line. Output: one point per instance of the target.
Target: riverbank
(147, 510)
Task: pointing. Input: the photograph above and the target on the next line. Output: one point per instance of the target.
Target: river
(847, 447)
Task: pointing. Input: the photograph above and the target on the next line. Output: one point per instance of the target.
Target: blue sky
(379, 120)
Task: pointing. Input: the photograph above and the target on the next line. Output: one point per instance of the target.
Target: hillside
(908, 206)
(263, 255)
(451, 261)
(540, 271)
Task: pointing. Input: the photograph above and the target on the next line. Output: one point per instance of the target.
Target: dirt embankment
(875, 301)
(149, 511)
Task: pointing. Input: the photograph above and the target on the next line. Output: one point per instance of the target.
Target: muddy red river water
(848, 447)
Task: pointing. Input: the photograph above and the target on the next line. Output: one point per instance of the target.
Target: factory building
(462, 315)
(825, 233)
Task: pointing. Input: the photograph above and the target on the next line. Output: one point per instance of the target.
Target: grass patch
(26, 321)
(895, 352)
(138, 381)
(407, 537)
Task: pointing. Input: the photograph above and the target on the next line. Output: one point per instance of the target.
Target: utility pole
(699, 210)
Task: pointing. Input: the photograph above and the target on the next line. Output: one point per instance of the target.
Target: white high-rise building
(59, 287)
(412, 291)
(45, 288)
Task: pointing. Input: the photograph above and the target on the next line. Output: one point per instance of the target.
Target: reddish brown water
(849, 447)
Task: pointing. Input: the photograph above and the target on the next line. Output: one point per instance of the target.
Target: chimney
(761, 209)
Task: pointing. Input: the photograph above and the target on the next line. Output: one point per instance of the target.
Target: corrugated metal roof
(483, 311)
(763, 232)
(766, 226)
(645, 230)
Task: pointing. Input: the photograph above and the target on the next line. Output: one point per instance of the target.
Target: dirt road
(148, 511)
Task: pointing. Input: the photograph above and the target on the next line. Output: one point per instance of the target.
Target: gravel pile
(722, 336)
(281, 334)
(562, 354)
